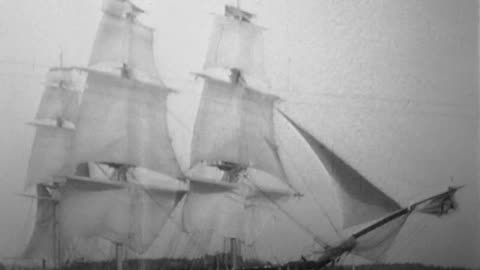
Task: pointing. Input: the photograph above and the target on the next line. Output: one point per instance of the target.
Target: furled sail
(236, 44)
(55, 123)
(124, 121)
(125, 213)
(122, 40)
(360, 200)
(235, 124)
(41, 244)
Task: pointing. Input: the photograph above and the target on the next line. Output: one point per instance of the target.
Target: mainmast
(120, 128)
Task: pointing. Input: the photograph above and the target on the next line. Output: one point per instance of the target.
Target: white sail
(41, 243)
(122, 40)
(55, 123)
(360, 200)
(236, 44)
(218, 209)
(61, 96)
(374, 245)
(50, 152)
(211, 208)
(121, 213)
(142, 56)
(235, 124)
(124, 121)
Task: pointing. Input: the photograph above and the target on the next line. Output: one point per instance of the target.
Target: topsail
(235, 124)
(236, 44)
(124, 121)
(122, 41)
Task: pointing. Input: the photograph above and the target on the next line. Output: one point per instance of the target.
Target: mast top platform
(239, 14)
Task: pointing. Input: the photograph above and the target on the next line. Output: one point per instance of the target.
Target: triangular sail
(122, 40)
(236, 44)
(124, 121)
(235, 124)
(360, 200)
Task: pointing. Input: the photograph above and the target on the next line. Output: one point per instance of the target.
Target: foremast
(234, 128)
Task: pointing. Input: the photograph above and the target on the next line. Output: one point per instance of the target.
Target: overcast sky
(390, 85)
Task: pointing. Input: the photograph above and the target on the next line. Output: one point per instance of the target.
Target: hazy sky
(390, 85)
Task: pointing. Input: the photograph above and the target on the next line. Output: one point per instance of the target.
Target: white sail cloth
(235, 124)
(49, 156)
(228, 211)
(55, 123)
(122, 40)
(126, 213)
(360, 201)
(41, 243)
(124, 121)
(236, 44)
(374, 245)
(60, 99)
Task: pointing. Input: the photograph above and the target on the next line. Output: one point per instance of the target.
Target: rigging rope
(178, 226)
(315, 199)
(300, 225)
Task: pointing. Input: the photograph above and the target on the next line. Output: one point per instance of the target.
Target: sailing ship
(105, 171)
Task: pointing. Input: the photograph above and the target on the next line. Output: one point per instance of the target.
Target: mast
(122, 133)
(55, 126)
(56, 237)
(235, 252)
(233, 132)
(119, 256)
(120, 127)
